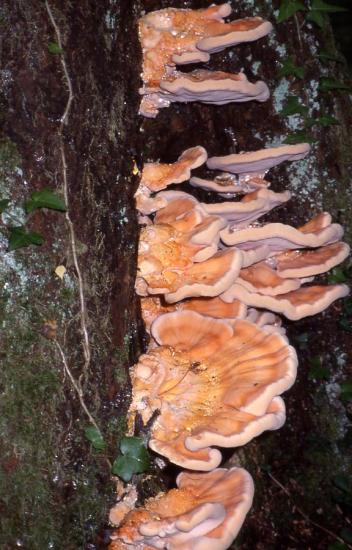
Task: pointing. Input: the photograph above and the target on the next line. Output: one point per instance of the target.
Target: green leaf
(134, 460)
(318, 12)
(126, 466)
(337, 546)
(54, 48)
(320, 5)
(346, 534)
(302, 340)
(45, 198)
(327, 120)
(289, 68)
(337, 276)
(293, 107)
(347, 306)
(318, 17)
(299, 137)
(95, 437)
(288, 8)
(4, 204)
(345, 324)
(327, 84)
(346, 391)
(20, 238)
(327, 56)
(133, 446)
(343, 483)
(317, 370)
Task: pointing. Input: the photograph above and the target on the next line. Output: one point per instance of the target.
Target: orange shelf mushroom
(171, 37)
(152, 307)
(250, 208)
(214, 382)
(229, 185)
(157, 176)
(294, 305)
(259, 162)
(205, 512)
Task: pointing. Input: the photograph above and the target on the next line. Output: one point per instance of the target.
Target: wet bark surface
(57, 488)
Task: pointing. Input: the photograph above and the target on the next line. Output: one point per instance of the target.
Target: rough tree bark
(56, 489)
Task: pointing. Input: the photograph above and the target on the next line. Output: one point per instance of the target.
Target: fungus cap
(294, 305)
(205, 512)
(214, 382)
(157, 176)
(248, 30)
(259, 161)
(212, 87)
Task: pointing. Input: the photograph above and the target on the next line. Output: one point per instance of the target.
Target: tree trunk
(56, 487)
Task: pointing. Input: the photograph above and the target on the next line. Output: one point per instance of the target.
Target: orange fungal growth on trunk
(172, 37)
(205, 512)
(214, 382)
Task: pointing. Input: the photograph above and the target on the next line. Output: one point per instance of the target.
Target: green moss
(52, 495)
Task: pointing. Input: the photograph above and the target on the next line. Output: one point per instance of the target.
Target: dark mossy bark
(57, 489)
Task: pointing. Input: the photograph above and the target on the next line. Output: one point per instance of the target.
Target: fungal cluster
(212, 279)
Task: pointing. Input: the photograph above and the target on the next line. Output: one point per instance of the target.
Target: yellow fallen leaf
(60, 271)
(135, 170)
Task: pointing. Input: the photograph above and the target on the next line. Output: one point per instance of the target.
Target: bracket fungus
(211, 87)
(153, 306)
(214, 382)
(171, 37)
(279, 236)
(259, 162)
(216, 365)
(228, 185)
(157, 176)
(251, 207)
(205, 512)
(294, 305)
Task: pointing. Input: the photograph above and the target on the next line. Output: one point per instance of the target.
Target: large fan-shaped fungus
(205, 512)
(214, 383)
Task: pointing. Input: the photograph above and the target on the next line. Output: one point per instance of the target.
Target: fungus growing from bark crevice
(215, 382)
(171, 37)
(205, 512)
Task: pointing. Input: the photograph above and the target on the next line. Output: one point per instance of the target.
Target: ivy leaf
(45, 198)
(327, 84)
(54, 48)
(134, 460)
(318, 11)
(347, 307)
(327, 120)
(345, 324)
(336, 276)
(346, 534)
(3, 205)
(317, 370)
(299, 137)
(321, 5)
(289, 68)
(346, 391)
(95, 437)
(327, 56)
(20, 238)
(293, 107)
(288, 8)
(302, 340)
(317, 17)
(342, 482)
